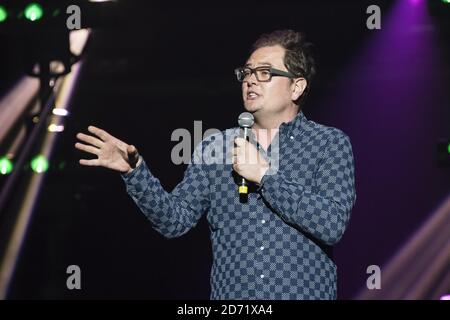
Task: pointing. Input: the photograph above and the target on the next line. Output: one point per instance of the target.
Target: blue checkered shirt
(277, 244)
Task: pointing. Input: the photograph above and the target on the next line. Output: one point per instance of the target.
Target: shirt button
(262, 248)
(262, 276)
(263, 221)
(292, 137)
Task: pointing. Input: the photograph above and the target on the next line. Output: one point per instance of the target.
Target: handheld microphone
(245, 122)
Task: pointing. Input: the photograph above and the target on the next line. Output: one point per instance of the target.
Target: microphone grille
(246, 120)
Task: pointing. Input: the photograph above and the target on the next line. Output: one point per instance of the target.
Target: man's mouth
(252, 95)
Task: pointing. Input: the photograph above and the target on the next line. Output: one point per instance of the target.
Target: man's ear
(298, 87)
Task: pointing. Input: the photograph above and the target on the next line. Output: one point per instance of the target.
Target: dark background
(150, 68)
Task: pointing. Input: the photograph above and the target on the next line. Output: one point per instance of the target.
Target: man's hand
(248, 162)
(112, 153)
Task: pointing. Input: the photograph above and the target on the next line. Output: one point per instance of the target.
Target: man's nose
(251, 79)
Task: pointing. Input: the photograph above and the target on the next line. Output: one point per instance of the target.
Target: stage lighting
(60, 112)
(6, 166)
(55, 128)
(33, 11)
(39, 164)
(3, 14)
(446, 1)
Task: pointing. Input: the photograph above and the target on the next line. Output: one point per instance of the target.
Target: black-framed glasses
(263, 74)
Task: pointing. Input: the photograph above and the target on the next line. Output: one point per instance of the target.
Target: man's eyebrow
(260, 63)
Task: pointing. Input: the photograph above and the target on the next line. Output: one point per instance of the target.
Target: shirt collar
(294, 126)
(291, 128)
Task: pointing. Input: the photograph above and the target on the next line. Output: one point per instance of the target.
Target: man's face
(273, 97)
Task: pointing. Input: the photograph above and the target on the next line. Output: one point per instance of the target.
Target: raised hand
(111, 152)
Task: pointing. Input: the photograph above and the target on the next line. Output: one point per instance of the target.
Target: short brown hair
(298, 58)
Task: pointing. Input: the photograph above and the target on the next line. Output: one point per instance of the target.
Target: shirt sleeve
(171, 214)
(323, 212)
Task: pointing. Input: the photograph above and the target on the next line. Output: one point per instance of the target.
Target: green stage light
(6, 166)
(3, 14)
(33, 11)
(446, 1)
(448, 148)
(39, 164)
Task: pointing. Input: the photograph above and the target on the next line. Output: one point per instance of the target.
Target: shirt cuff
(267, 179)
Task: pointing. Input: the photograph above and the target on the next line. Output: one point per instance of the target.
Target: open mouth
(252, 95)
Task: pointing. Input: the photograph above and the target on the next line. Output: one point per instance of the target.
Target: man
(277, 244)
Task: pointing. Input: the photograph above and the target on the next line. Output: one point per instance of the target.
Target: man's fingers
(239, 144)
(92, 162)
(236, 168)
(239, 159)
(132, 152)
(87, 148)
(241, 156)
(239, 141)
(102, 134)
(89, 139)
(133, 155)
